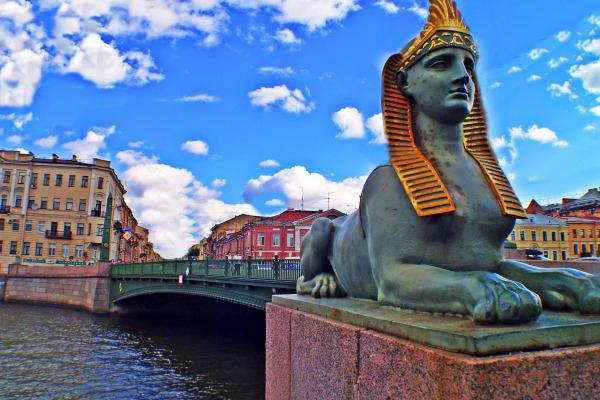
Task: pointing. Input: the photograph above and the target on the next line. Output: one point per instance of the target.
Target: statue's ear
(402, 81)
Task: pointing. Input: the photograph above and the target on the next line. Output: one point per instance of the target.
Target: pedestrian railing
(268, 270)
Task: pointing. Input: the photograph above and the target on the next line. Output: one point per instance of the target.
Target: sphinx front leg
(485, 296)
(559, 288)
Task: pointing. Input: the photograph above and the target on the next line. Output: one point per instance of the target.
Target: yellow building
(544, 233)
(52, 210)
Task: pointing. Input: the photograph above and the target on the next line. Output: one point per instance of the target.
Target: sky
(212, 108)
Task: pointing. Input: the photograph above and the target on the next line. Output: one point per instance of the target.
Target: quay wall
(83, 287)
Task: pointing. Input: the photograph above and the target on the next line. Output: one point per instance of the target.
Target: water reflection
(57, 353)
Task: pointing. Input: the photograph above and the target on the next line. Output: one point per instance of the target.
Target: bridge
(247, 282)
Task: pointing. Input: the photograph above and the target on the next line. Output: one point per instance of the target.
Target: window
(13, 247)
(99, 229)
(544, 236)
(34, 180)
(546, 253)
(261, 239)
(56, 204)
(533, 235)
(3, 200)
(52, 249)
(1, 224)
(25, 249)
(290, 240)
(276, 239)
(41, 227)
(562, 236)
(554, 255)
(522, 235)
(15, 225)
(21, 179)
(82, 205)
(553, 236)
(18, 200)
(30, 202)
(100, 182)
(591, 233)
(66, 227)
(65, 250)
(58, 181)
(513, 235)
(6, 178)
(69, 205)
(583, 248)
(80, 228)
(46, 180)
(0, 246)
(71, 181)
(95, 254)
(592, 249)
(79, 251)
(84, 181)
(576, 249)
(44, 203)
(39, 247)
(574, 233)
(582, 233)
(563, 255)
(28, 226)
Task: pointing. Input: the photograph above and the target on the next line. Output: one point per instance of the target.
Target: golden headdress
(422, 183)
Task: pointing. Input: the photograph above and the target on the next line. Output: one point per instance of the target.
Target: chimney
(54, 157)
(290, 209)
(74, 157)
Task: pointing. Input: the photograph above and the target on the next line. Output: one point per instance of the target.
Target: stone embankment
(83, 287)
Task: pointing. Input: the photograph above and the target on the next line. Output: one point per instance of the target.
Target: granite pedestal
(355, 349)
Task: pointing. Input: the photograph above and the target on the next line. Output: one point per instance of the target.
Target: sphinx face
(441, 84)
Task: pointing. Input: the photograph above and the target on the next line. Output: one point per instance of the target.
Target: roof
(291, 215)
(540, 219)
(576, 220)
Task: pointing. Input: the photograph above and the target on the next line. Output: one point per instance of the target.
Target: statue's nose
(460, 74)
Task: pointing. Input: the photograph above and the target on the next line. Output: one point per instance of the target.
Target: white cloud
(20, 74)
(136, 144)
(88, 147)
(287, 36)
(375, 125)
(590, 128)
(350, 121)
(514, 70)
(15, 139)
(496, 85)
(537, 53)
(418, 10)
(388, 6)
(563, 36)
(47, 142)
(176, 208)
(589, 75)
(269, 163)
(195, 147)
(590, 46)
(595, 111)
(219, 182)
(22, 120)
(594, 19)
(297, 183)
(534, 78)
(285, 71)
(581, 109)
(290, 100)
(538, 134)
(313, 14)
(274, 202)
(557, 90)
(202, 97)
(557, 62)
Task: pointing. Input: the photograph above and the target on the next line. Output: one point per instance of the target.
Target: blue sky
(208, 108)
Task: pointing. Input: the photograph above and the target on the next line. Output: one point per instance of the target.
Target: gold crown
(444, 28)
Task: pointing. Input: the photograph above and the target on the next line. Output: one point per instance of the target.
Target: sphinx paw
(324, 285)
(506, 301)
(568, 291)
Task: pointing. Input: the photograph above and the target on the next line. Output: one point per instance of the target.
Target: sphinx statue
(431, 224)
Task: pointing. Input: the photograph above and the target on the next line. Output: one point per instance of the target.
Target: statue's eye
(438, 64)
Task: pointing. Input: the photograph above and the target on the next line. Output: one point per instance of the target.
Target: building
(52, 211)
(265, 238)
(543, 233)
(583, 207)
(223, 229)
(584, 236)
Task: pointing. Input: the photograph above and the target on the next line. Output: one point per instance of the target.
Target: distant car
(588, 259)
(537, 257)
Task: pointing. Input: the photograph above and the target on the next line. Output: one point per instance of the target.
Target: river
(55, 353)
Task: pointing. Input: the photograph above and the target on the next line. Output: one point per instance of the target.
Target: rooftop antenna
(329, 198)
(302, 203)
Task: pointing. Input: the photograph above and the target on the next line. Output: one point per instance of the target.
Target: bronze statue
(431, 224)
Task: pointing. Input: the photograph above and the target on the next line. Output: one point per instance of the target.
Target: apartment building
(543, 233)
(52, 211)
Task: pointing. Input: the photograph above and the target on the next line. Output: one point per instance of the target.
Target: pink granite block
(324, 359)
(278, 354)
(393, 368)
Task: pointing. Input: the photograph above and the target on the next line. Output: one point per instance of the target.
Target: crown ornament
(444, 28)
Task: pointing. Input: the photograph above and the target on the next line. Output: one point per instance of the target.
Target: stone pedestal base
(312, 357)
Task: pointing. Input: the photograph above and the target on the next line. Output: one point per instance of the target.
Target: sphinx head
(441, 84)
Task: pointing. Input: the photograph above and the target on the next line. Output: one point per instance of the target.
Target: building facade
(269, 237)
(584, 236)
(543, 233)
(52, 211)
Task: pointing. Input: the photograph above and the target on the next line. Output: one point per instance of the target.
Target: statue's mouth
(460, 92)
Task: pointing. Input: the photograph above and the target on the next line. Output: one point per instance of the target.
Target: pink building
(280, 235)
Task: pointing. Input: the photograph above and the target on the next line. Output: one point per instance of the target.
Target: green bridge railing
(276, 269)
